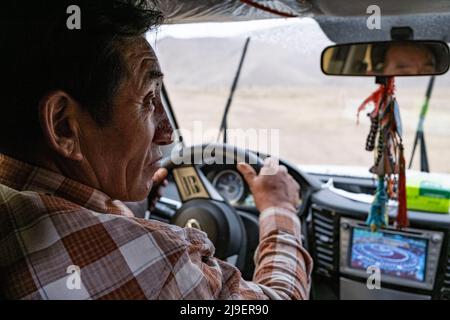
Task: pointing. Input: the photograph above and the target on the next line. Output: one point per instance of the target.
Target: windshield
(281, 88)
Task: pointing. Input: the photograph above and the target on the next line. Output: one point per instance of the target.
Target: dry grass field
(318, 124)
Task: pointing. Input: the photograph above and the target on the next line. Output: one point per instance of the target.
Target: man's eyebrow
(155, 74)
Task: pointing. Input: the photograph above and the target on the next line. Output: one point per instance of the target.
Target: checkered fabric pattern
(60, 239)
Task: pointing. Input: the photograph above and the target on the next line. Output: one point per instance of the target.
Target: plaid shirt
(60, 239)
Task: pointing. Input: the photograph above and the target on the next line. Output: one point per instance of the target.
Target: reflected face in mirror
(387, 58)
(407, 59)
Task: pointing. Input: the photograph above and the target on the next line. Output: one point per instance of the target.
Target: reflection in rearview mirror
(392, 58)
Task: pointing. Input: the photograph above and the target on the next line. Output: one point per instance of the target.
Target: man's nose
(164, 129)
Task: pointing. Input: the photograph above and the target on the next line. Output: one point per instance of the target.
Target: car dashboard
(414, 263)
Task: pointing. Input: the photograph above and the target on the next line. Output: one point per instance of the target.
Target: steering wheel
(202, 206)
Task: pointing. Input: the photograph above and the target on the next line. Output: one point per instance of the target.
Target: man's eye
(149, 104)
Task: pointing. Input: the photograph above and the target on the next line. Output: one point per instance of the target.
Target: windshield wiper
(223, 123)
(420, 136)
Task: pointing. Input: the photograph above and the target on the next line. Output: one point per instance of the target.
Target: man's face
(125, 154)
(408, 60)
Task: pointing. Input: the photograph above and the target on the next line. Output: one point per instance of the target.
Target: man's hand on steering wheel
(159, 182)
(273, 187)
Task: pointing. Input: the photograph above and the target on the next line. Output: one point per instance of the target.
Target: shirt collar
(22, 176)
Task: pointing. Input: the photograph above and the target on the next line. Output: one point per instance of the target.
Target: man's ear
(59, 119)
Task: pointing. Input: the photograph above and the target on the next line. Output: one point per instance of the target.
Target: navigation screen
(396, 255)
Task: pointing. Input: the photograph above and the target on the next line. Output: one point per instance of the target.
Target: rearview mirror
(390, 58)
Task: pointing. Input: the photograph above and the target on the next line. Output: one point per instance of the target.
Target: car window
(282, 87)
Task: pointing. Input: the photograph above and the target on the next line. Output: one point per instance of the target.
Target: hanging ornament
(385, 140)
(378, 214)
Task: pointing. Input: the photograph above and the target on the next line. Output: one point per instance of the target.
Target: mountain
(283, 56)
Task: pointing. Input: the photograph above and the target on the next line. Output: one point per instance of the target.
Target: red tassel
(377, 95)
(402, 214)
(375, 98)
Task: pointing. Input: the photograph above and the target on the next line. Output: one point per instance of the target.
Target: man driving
(80, 133)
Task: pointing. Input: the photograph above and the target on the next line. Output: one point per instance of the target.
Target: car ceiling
(341, 20)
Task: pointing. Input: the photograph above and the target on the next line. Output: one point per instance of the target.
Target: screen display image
(396, 255)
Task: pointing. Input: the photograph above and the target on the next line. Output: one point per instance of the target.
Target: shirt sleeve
(283, 266)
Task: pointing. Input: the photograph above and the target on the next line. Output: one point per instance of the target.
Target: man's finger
(283, 169)
(271, 167)
(247, 171)
(159, 176)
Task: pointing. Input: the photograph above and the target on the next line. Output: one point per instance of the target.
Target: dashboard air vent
(445, 291)
(326, 241)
